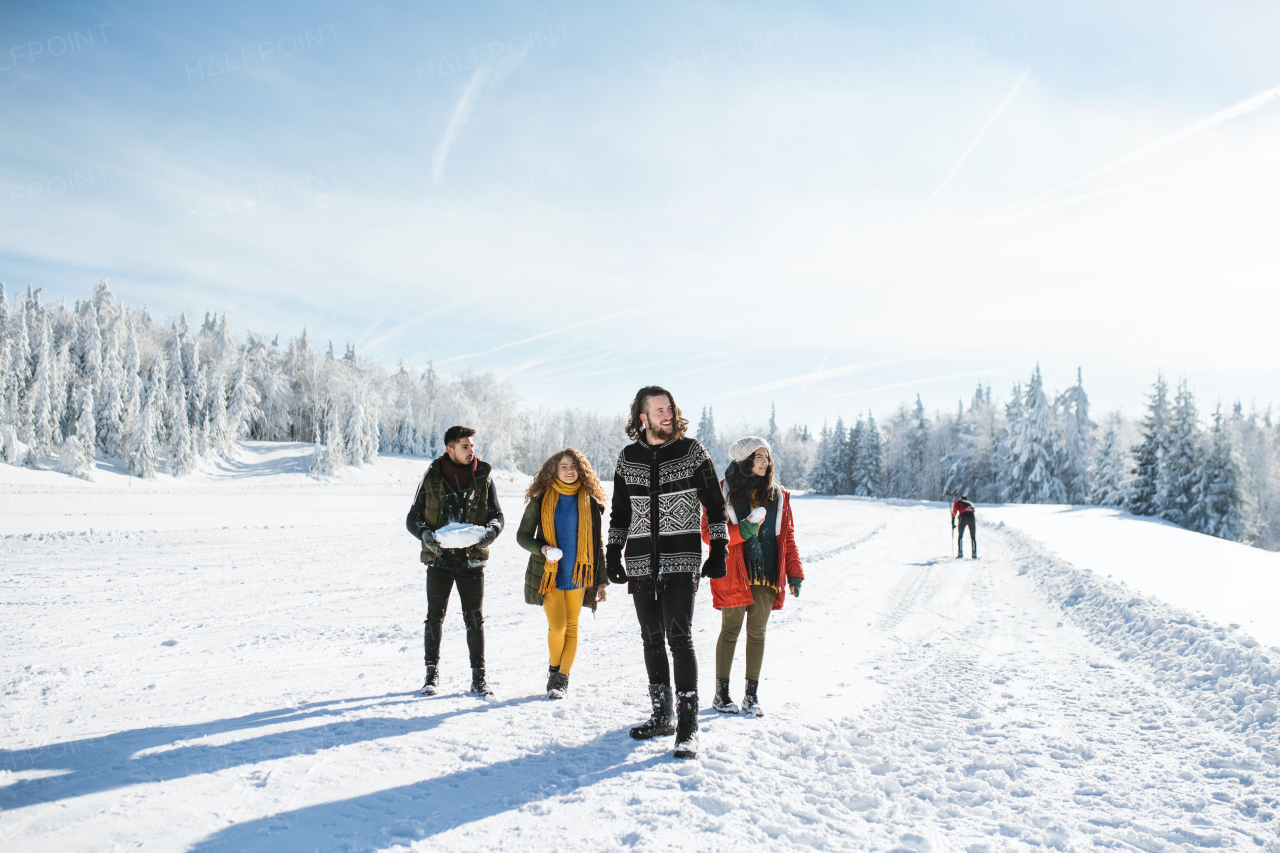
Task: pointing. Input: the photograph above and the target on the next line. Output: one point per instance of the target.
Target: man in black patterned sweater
(662, 483)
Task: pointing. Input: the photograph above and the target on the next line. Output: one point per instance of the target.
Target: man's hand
(601, 595)
(794, 583)
(613, 564)
(429, 543)
(715, 566)
(491, 533)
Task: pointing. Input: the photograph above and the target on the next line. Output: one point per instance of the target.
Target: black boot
(722, 702)
(687, 724)
(431, 686)
(558, 685)
(660, 722)
(751, 702)
(551, 679)
(479, 686)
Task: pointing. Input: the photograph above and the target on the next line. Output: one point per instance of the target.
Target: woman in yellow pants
(561, 530)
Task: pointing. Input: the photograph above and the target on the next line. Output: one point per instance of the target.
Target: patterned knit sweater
(663, 488)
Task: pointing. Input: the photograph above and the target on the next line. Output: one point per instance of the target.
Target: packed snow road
(249, 685)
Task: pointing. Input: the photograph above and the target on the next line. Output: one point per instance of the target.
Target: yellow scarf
(584, 572)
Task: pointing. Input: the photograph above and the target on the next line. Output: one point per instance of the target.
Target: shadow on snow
(108, 762)
(423, 809)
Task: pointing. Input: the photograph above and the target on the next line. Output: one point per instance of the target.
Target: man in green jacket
(457, 489)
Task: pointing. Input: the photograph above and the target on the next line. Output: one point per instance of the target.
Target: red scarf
(457, 475)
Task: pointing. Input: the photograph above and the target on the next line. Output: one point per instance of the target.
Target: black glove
(490, 534)
(753, 557)
(429, 543)
(613, 564)
(953, 524)
(715, 566)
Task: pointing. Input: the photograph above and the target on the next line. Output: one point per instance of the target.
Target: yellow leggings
(563, 607)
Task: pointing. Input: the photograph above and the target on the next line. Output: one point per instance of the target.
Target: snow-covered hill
(227, 662)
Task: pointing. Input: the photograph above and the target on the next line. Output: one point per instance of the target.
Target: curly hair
(547, 473)
(635, 428)
(744, 487)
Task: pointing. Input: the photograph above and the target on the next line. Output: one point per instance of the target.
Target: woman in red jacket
(762, 563)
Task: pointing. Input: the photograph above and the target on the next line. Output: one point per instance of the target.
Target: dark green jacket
(529, 535)
(482, 509)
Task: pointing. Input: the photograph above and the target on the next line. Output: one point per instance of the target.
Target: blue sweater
(567, 540)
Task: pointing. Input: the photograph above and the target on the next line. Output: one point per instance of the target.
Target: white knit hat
(745, 447)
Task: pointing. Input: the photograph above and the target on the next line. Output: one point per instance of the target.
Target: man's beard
(659, 433)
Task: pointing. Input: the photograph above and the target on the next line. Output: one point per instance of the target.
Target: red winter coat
(732, 590)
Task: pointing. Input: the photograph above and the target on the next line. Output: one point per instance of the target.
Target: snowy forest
(101, 380)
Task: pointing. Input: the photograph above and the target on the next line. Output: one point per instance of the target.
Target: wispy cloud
(486, 76)
(1007, 100)
(1243, 108)
(806, 379)
(461, 113)
(537, 337)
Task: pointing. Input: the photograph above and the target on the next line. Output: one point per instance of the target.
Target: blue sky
(828, 206)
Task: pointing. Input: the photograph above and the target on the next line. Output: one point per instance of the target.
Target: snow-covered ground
(229, 663)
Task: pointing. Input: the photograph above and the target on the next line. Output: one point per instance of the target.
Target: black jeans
(440, 581)
(966, 520)
(668, 621)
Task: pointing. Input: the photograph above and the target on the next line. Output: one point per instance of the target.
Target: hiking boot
(687, 724)
(558, 685)
(660, 723)
(479, 685)
(722, 702)
(431, 686)
(551, 678)
(751, 702)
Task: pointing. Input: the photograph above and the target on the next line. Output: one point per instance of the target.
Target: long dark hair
(635, 428)
(745, 487)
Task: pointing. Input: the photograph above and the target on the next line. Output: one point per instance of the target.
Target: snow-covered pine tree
(918, 451)
(772, 435)
(1109, 480)
(840, 459)
(182, 451)
(111, 405)
(822, 474)
(1258, 441)
(849, 467)
(242, 410)
(1077, 440)
(45, 433)
(7, 412)
(1220, 497)
(75, 457)
(1178, 473)
(23, 371)
(1141, 499)
(1032, 450)
(144, 446)
(706, 434)
(869, 464)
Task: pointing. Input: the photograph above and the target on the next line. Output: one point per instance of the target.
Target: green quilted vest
(477, 512)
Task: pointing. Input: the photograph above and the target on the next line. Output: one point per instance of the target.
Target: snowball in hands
(554, 555)
(757, 515)
(455, 534)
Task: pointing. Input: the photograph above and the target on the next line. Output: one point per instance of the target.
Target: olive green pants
(757, 616)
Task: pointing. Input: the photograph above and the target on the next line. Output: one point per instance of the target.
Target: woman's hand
(601, 595)
(544, 549)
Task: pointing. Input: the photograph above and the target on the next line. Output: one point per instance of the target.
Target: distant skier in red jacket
(964, 509)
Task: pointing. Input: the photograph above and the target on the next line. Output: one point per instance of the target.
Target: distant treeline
(103, 380)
